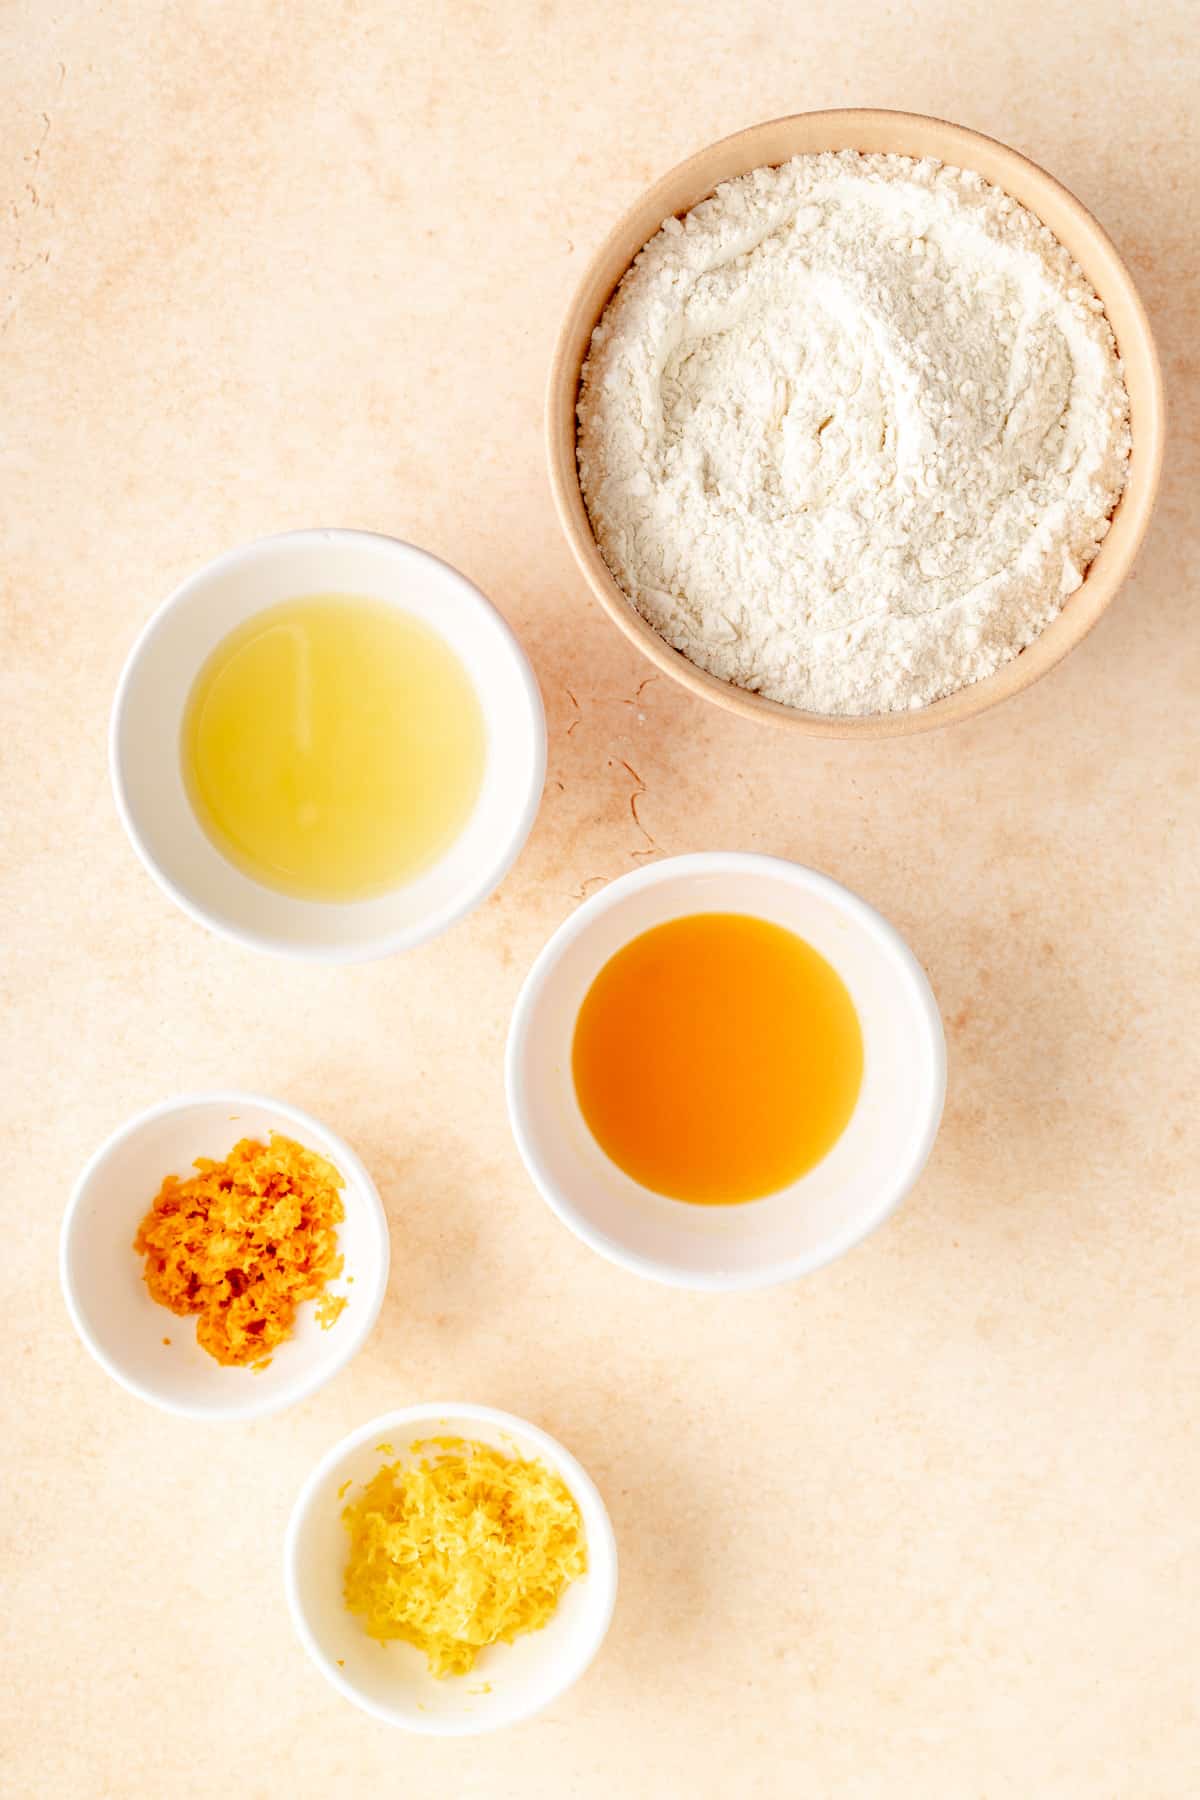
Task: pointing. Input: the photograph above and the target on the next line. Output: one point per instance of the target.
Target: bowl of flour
(855, 422)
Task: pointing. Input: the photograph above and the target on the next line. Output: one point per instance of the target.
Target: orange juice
(717, 1058)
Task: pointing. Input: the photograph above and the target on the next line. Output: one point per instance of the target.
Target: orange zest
(242, 1243)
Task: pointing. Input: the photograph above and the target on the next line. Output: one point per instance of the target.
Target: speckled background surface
(924, 1525)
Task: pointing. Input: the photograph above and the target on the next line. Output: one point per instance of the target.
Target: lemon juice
(333, 747)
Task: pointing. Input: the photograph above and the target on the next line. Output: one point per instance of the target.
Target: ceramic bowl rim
(698, 863)
(602, 1559)
(342, 1350)
(720, 161)
(369, 949)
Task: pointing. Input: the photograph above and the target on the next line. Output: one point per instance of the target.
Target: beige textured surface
(924, 1525)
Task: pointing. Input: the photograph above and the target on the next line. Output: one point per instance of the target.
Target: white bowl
(147, 720)
(110, 1304)
(868, 1171)
(392, 1681)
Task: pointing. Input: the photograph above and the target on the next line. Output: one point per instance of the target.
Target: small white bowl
(392, 1681)
(147, 722)
(852, 1190)
(110, 1305)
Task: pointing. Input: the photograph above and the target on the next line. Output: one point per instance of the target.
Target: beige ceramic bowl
(904, 134)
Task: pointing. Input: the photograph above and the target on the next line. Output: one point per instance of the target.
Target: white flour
(851, 431)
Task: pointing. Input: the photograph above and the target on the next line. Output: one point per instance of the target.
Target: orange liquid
(717, 1058)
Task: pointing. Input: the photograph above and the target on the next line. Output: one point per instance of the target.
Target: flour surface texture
(851, 431)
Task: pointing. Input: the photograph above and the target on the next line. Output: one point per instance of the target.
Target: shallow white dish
(392, 1681)
(853, 1189)
(147, 722)
(110, 1305)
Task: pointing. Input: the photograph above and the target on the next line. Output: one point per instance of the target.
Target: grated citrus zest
(459, 1550)
(242, 1243)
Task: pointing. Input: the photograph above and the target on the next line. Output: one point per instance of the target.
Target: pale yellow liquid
(333, 747)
